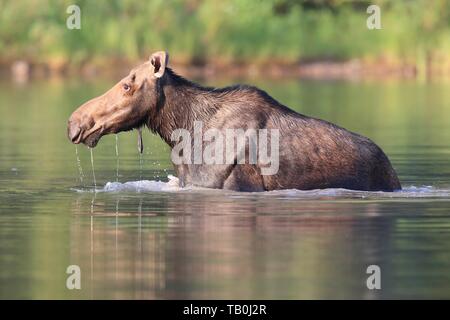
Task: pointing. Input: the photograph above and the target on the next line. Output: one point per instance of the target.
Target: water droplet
(140, 142)
(117, 158)
(80, 169)
(93, 170)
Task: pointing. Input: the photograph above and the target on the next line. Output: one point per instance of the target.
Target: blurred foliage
(195, 30)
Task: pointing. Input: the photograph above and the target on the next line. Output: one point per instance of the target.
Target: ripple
(172, 186)
(405, 193)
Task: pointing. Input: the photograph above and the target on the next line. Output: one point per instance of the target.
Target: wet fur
(314, 154)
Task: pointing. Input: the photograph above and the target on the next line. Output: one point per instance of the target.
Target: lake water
(151, 240)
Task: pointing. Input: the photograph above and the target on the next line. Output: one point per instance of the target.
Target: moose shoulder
(310, 153)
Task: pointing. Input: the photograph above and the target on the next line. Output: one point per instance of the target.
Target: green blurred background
(196, 32)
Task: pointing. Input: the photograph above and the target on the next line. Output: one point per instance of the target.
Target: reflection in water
(119, 260)
(223, 246)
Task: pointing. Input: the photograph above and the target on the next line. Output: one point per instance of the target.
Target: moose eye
(126, 87)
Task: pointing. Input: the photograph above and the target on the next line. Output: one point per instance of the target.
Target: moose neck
(180, 102)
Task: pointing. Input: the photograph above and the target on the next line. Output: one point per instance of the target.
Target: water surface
(141, 237)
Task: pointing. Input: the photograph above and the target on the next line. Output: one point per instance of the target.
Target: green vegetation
(238, 30)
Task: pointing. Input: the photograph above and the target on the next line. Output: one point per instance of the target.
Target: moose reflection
(130, 248)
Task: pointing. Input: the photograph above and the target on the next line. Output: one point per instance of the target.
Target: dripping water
(117, 158)
(80, 169)
(140, 173)
(93, 170)
(140, 166)
(140, 150)
(140, 143)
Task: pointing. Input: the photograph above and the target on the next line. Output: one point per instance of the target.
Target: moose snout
(74, 131)
(81, 128)
(77, 127)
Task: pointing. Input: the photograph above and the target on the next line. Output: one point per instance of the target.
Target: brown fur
(314, 154)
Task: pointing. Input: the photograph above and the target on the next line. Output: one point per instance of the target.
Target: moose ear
(159, 61)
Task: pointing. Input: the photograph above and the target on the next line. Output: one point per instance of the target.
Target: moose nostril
(74, 132)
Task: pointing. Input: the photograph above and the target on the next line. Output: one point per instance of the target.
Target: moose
(313, 153)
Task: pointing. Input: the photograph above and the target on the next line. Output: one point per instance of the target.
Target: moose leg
(244, 177)
(182, 173)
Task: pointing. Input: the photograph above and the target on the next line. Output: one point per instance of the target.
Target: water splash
(408, 192)
(93, 170)
(143, 185)
(80, 169)
(117, 158)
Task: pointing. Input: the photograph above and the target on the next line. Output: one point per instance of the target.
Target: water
(141, 152)
(80, 169)
(140, 141)
(117, 158)
(167, 242)
(141, 166)
(93, 169)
